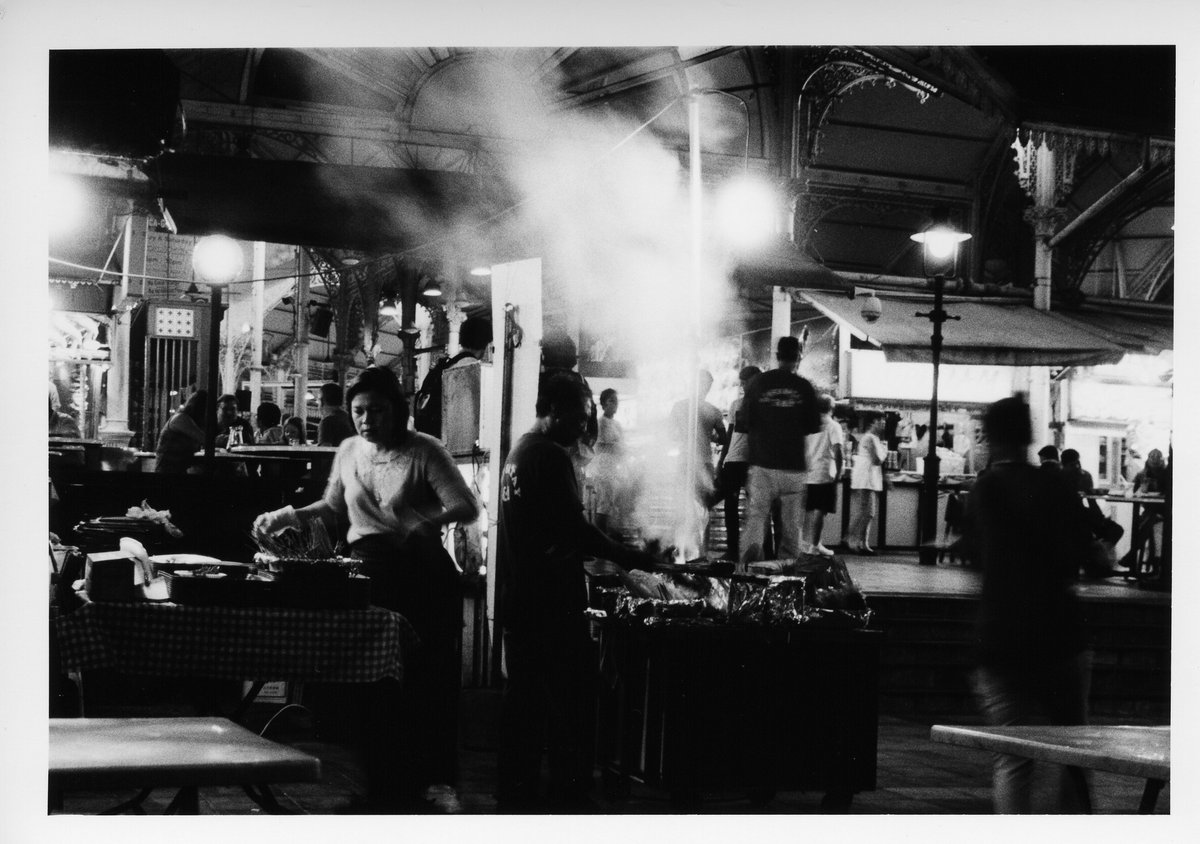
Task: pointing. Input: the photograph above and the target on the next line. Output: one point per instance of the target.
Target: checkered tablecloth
(243, 643)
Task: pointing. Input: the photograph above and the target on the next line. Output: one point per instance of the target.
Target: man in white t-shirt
(824, 457)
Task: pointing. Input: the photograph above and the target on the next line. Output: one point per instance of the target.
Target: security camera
(872, 308)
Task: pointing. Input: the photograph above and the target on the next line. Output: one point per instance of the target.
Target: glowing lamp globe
(217, 259)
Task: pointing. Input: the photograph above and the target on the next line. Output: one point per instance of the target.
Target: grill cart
(750, 688)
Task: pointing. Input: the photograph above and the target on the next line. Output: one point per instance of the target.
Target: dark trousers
(729, 490)
(409, 731)
(549, 702)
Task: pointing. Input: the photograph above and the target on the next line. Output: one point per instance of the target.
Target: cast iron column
(214, 346)
(928, 533)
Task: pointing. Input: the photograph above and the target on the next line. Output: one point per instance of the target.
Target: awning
(996, 333)
(1147, 333)
(779, 263)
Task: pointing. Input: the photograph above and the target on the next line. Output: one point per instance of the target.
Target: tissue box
(112, 576)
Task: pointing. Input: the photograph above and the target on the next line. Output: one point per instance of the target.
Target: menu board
(168, 256)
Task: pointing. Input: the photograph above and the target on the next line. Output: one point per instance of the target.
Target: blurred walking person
(1028, 531)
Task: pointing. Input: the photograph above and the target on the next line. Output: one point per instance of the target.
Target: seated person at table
(1078, 477)
(266, 421)
(335, 424)
(1102, 556)
(1048, 458)
(63, 424)
(228, 419)
(1154, 479)
(293, 431)
(398, 489)
(182, 436)
(543, 537)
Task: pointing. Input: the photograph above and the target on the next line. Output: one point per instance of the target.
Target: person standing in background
(1026, 527)
(976, 458)
(607, 469)
(779, 411)
(733, 466)
(866, 482)
(474, 337)
(824, 456)
(335, 424)
(560, 356)
(709, 430)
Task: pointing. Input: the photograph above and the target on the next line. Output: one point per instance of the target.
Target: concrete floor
(914, 775)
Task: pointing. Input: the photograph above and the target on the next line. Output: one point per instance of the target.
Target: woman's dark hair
(867, 418)
(268, 414)
(196, 405)
(381, 380)
(296, 423)
(605, 395)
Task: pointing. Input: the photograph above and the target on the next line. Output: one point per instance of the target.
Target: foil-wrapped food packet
(783, 599)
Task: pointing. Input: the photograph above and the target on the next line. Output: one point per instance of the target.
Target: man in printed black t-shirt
(778, 412)
(543, 539)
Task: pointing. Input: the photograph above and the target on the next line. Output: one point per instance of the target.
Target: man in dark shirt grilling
(543, 540)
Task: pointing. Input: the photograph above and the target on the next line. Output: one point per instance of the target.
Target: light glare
(746, 211)
(217, 259)
(67, 204)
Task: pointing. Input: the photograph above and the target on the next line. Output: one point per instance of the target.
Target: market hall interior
(377, 199)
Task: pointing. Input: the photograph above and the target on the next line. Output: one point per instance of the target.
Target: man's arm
(812, 416)
(744, 418)
(719, 435)
(566, 526)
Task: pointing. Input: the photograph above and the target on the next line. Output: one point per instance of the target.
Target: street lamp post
(939, 252)
(217, 260)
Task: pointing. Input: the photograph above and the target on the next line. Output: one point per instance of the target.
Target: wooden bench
(184, 753)
(1134, 751)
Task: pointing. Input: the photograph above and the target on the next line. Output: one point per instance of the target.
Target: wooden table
(1133, 751)
(184, 753)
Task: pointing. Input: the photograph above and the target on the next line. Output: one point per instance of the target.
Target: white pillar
(257, 290)
(1045, 178)
(520, 285)
(1037, 387)
(299, 402)
(455, 316)
(781, 316)
(115, 430)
